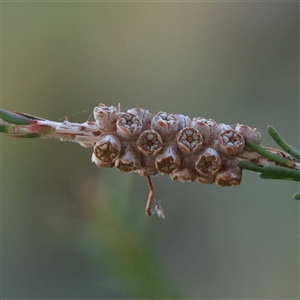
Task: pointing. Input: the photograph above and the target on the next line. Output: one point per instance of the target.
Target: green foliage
(279, 140)
(284, 167)
(13, 118)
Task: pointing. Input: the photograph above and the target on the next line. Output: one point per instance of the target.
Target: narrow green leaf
(276, 172)
(250, 166)
(13, 118)
(297, 196)
(271, 156)
(279, 140)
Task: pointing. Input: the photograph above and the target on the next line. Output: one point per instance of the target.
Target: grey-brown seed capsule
(249, 134)
(207, 162)
(206, 179)
(206, 128)
(106, 151)
(128, 126)
(231, 143)
(144, 116)
(184, 174)
(129, 160)
(189, 140)
(149, 142)
(183, 121)
(230, 174)
(168, 161)
(148, 166)
(219, 128)
(106, 117)
(165, 124)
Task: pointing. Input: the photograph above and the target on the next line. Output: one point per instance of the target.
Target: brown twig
(150, 196)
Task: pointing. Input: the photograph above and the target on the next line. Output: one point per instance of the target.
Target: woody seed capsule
(128, 126)
(106, 151)
(230, 174)
(219, 128)
(207, 162)
(144, 116)
(184, 174)
(183, 121)
(165, 124)
(249, 134)
(187, 171)
(129, 160)
(168, 161)
(148, 166)
(231, 143)
(189, 140)
(149, 142)
(206, 128)
(106, 117)
(206, 179)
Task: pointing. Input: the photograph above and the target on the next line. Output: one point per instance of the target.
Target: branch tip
(297, 196)
(280, 141)
(269, 155)
(13, 118)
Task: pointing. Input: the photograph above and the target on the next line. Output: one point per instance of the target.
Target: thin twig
(150, 196)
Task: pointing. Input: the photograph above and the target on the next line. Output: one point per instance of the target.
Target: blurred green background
(73, 231)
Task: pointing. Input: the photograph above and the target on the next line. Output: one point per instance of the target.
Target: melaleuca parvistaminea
(197, 149)
(188, 150)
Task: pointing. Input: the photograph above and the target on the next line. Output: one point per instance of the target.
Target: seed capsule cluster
(188, 150)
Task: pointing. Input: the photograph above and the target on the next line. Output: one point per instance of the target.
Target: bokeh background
(73, 231)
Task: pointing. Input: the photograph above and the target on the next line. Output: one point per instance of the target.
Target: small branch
(269, 155)
(189, 150)
(27, 126)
